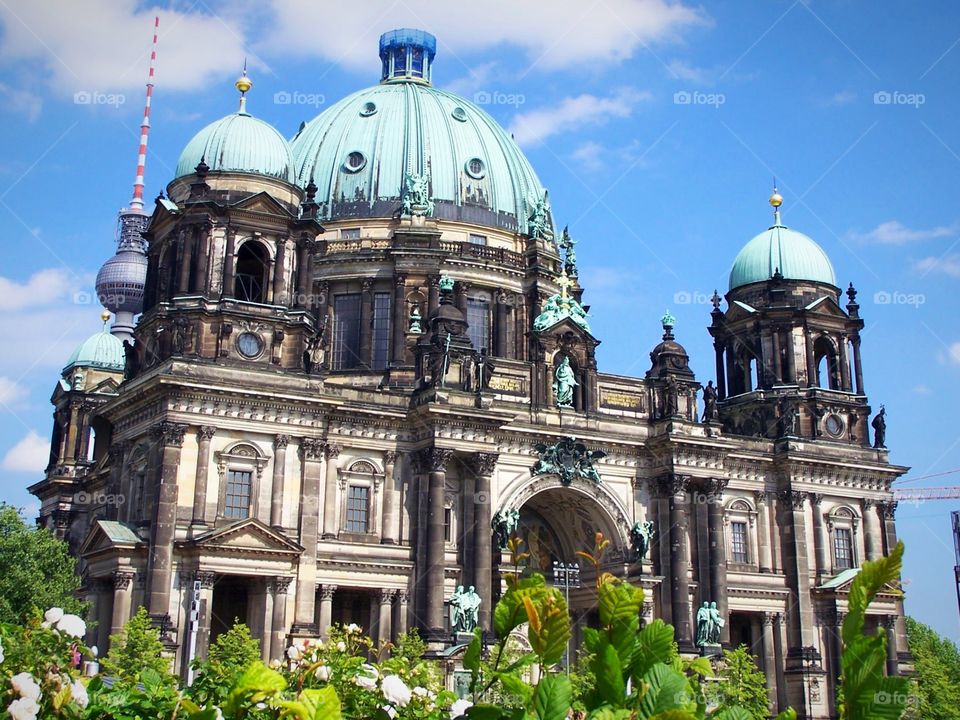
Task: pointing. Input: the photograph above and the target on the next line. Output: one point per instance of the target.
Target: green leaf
(514, 685)
(208, 714)
(550, 633)
(313, 704)
(872, 577)
(666, 690)
(510, 612)
(654, 646)
(733, 714)
(257, 683)
(482, 711)
(610, 687)
(471, 657)
(553, 698)
(788, 714)
(619, 601)
(605, 712)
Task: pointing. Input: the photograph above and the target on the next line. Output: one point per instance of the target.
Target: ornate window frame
(843, 517)
(240, 456)
(740, 509)
(362, 472)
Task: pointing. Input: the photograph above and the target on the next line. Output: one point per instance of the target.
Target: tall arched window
(827, 367)
(478, 321)
(253, 263)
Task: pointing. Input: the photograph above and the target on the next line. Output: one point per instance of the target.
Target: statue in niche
(416, 321)
(564, 381)
(787, 424)
(505, 523)
(880, 428)
(641, 534)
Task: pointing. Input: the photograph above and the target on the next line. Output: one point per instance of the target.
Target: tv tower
(121, 280)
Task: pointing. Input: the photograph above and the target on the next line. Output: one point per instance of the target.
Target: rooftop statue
(416, 195)
(537, 225)
(564, 381)
(505, 523)
(570, 255)
(560, 306)
(880, 428)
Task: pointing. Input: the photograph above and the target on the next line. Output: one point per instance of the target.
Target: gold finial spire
(776, 200)
(105, 318)
(243, 84)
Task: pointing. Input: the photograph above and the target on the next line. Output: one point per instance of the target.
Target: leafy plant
(740, 684)
(229, 655)
(135, 649)
(937, 663)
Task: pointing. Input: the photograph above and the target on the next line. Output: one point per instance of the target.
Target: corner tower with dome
(363, 361)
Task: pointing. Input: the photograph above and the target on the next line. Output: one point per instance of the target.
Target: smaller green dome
(795, 255)
(239, 143)
(102, 350)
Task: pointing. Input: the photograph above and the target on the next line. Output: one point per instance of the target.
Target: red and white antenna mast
(137, 202)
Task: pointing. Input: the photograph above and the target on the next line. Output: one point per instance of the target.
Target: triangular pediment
(826, 305)
(249, 535)
(261, 203)
(739, 310)
(565, 325)
(840, 584)
(107, 535)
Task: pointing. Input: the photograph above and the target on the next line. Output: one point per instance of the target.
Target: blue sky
(657, 126)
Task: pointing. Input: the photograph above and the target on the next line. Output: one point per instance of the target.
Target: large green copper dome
(239, 143)
(102, 350)
(795, 255)
(359, 150)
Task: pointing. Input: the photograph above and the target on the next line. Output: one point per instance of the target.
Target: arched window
(360, 483)
(827, 367)
(739, 517)
(843, 525)
(240, 468)
(478, 320)
(252, 266)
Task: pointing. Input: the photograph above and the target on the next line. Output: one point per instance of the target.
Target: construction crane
(928, 493)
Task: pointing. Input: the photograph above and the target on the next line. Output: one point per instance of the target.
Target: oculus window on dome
(355, 162)
(475, 168)
(459, 114)
(368, 109)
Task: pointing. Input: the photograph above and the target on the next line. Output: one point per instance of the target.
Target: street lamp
(566, 575)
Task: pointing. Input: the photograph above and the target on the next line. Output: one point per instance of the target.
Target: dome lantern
(407, 55)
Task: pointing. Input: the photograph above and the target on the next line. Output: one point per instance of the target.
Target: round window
(834, 425)
(368, 109)
(249, 344)
(355, 162)
(475, 168)
(459, 114)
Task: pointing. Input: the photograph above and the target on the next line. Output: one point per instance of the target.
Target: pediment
(739, 310)
(261, 203)
(826, 305)
(566, 325)
(245, 536)
(840, 584)
(106, 535)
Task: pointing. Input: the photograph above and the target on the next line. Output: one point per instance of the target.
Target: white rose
(293, 652)
(421, 691)
(72, 625)
(341, 646)
(53, 615)
(367, 679)
(78, 693)
(390, 710)
(395, 690)
(322, 674)
(459, 708)
(23, 709)
(353, 628)
(25, 686)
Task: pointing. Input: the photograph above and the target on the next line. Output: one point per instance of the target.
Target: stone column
(434, 461)
(769, 657)
(872, 534)
(811, 362)
(890, 627)
(207, 580)
(229, 265)
(326, 608)
(796, 568)
(276, 488)
(461, 297)
(675, 488)
(888, 510)
(384, 630)
(200, 279)
(791, 372)
(718, 553)
(777, 356)
(303, 274)
(403, 600)
(721, 375)
(160, 561)
(857, 367)
(844, 360)
(483, 465)
(390, 532)
(278, 635)
(433, 294)
(330, 493)
(366, 322)
(311, 453)
(764, 540)
(122, 594)
(820, 540)
(204, 435)
(186, 261)
(399, 351)
(280, 273)
(779, 670)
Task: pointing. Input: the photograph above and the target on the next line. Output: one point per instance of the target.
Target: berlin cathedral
(343, 368)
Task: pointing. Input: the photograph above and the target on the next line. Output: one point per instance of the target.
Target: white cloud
(921, 389)
(682, 70)
(104, 45)
(479, 77)
(553, 33)
(843, 97)
(31, 454)
(43, 287)
(948, 265)
(11, 392)
(894, 232)
(574, 112)
(590, 156)
(952, 356)
(25, 102)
